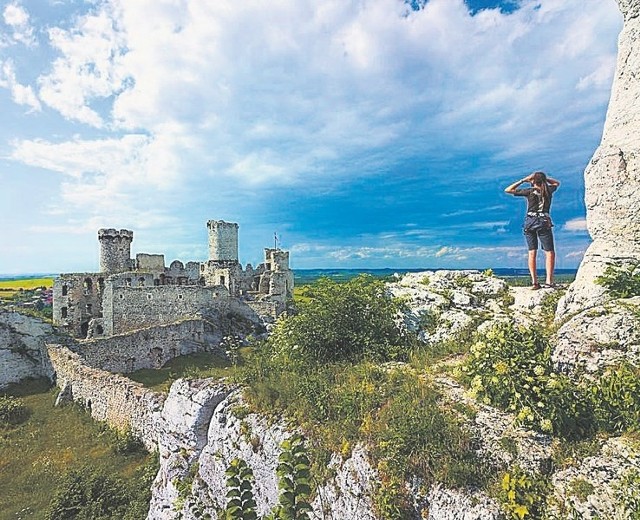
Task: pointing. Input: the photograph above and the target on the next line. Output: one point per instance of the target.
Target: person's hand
(528, 178)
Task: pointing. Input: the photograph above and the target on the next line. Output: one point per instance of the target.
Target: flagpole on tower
(275, 240)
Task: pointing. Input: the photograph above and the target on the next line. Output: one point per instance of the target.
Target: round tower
(115, 250)
(223, 241)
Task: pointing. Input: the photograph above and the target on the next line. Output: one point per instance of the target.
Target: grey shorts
(545, 236)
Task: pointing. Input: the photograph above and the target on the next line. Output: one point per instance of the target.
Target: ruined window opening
(148, 296)
(89, 308)
(201, 281)
(64, 312)
(88, 285)
(122, 296)
(65, 290)
(156, 282)
(141, 282)
(222, 280)
(180, 296)
(100, 284)
(268, 267)
(99, 330)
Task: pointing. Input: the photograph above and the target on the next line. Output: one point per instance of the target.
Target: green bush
(522, 495)
(240, 502)
(616, 399)
(510, 367)
(12, 410)
(622, 281)
(91, 494)
(343, 322)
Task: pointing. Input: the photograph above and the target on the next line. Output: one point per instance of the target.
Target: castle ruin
(131, 294)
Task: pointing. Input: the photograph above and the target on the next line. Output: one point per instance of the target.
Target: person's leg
(532, 267)
(546, 240)
(550, 264)
(532, 246)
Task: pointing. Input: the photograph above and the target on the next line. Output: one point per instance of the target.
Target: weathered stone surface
(612, 178)
(182, 435)
(451, 504)
(602, 474)
(599, 337)
(444, 303)
(22, 352)
(122, 403)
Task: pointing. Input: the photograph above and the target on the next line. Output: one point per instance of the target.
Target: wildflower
(501, 367)
(546, 425)
(538, 370)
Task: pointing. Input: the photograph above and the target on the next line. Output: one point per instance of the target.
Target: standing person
(537, 223)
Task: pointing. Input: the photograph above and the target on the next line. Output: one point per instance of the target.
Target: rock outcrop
(22, 347)
(612, 179)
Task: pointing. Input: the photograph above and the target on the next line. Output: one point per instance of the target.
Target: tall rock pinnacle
(612, 178)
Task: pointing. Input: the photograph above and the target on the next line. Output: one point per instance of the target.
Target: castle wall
(77, 299)
(151, 347)
(147, 262)
(122, 403)
(130, 308)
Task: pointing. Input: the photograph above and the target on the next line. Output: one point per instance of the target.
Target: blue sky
(366, 133)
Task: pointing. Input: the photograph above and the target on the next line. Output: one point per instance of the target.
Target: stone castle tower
(115, 250)
(223, 241)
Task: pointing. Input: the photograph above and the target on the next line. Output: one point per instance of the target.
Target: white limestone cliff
(612, 178)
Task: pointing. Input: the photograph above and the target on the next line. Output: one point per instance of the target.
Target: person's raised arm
(513, 187)
(553, 182)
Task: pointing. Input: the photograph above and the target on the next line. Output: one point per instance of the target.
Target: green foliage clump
(511, 368)
(622, 281)
(616, 399)
(126, 443)
(627, 493)
(12, 410)
(89, 493)
(294, 481)
(240, 504)
(522, 495)
(343, 322)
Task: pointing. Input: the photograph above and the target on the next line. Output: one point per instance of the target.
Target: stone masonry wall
(122, 403)
(131, 308)
(151, 347)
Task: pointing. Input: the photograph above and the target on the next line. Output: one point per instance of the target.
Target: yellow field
(8, 288)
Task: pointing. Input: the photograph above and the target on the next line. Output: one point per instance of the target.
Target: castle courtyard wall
(115, 399)
(151, 347)
(131, 308)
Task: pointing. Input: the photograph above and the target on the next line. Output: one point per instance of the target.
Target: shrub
(89, 494)
(511, 368)
(616, 399)
(240, 504)
(523, 495)
(349, 321)
(12, 410)
(621, 281)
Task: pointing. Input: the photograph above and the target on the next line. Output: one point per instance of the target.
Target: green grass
(36, 454)
(195, 366)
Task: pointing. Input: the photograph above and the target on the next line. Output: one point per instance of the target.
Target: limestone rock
(450, 504)
(599, 337)
(22, 340)
(182, 436)
(444, 303)
(612, 178)
(600, 477)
